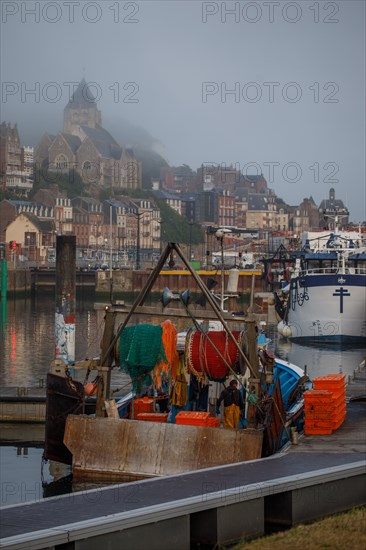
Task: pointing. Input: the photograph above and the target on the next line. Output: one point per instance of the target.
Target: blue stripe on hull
(339, 339)
(331, 280)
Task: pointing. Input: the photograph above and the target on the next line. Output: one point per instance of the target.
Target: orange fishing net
(169, 339)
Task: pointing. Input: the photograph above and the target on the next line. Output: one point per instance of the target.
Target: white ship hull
(327, 307)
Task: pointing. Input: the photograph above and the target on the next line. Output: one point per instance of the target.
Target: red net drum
(210, 354)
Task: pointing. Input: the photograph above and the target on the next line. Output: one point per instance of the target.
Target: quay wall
(19, 281)
(26, 280)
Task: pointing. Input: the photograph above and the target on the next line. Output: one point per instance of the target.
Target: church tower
(81, 110)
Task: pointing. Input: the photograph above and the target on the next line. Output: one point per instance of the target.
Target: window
(62, 162)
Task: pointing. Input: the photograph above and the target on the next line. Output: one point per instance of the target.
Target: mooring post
(4, 277)
(65, 298)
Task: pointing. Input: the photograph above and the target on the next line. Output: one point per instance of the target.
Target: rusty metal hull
(112, 449)
(60, 401)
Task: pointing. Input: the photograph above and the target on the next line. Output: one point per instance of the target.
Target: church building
(85, 146)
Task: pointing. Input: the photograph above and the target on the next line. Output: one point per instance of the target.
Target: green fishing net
(141, 348)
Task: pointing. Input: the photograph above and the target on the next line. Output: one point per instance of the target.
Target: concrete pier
(215, 506)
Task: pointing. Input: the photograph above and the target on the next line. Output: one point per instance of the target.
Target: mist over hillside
(151, 152)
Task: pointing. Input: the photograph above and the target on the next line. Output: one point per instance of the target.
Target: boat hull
(327, 308)
(107, 448)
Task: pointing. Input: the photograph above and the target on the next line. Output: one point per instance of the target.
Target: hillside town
(119, 221)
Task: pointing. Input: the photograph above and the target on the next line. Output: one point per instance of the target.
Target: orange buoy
(90, 389)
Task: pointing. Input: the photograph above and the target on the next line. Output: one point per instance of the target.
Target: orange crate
(143, 405)
(319, 415)
(313, 406)
(152, 417)
(191, 418)
(192, 415)
(333, 377)
(330, 411)
(330, 381)
(339, 399)
(318, 396)
(340, 409)
(339, 417)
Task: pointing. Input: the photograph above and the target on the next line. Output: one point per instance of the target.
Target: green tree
(70, 182)
(176, 228)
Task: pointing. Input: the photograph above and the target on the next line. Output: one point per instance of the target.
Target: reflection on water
(27, 340)
(26, 350)
(20, 474)
(320, 359)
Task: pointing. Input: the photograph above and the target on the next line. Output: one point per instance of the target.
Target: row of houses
(135, 226)
(16, 161)
(250, 204)
(29, 228)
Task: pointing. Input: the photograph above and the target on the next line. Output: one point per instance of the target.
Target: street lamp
(220, 234)
(27, 246)
(190, 240)
(161, 235)
(138, 216)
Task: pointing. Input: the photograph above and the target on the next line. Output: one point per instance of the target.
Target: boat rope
(71, 384)
(86, 376)
(121, 388)
(252, 399)
(72, 410)
(95, 340)
(297, 297)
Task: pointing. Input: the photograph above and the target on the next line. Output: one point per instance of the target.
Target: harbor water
(26, 349)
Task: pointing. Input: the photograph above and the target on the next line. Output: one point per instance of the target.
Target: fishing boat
(325, 300)
(122, 441)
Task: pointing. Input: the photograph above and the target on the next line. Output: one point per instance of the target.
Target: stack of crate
(325, 405)
(319, 409)
(335, 383)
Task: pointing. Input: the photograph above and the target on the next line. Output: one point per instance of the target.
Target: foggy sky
(296, 71)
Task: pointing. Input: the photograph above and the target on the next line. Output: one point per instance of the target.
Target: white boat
(325, 299)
